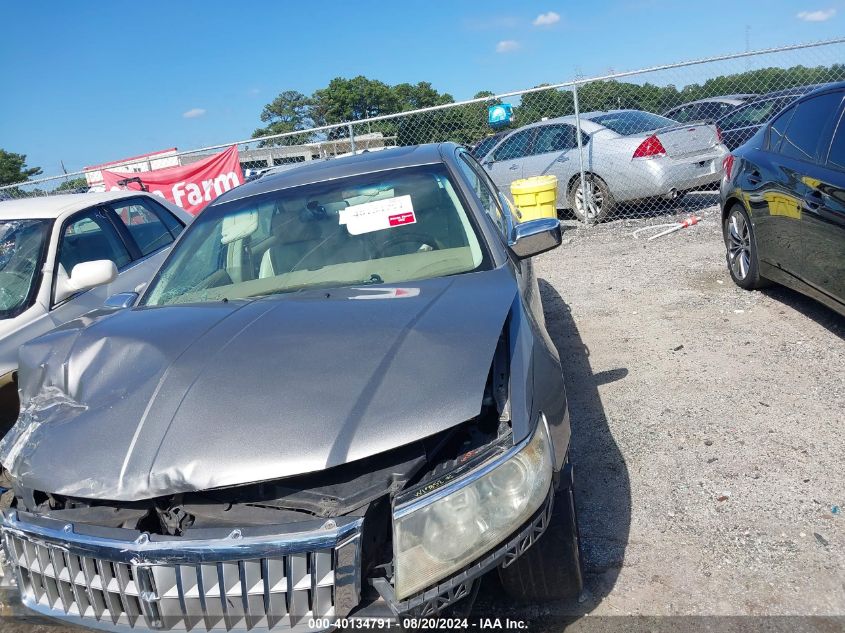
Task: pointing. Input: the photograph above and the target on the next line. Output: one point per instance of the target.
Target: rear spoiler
(681, 126)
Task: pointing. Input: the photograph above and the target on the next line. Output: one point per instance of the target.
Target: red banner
(190, 186)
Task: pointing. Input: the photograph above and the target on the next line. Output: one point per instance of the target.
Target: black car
(706, 109)
(742, 123)
(783, 201)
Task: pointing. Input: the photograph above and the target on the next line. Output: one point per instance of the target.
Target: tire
(551, 568)
(741, 249)
(8, 494)
(604, 204)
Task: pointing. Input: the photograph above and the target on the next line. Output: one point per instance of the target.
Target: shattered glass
(21, 245)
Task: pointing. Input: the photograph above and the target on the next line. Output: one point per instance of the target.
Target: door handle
(561, 159)
(755, 178)
(514, 167)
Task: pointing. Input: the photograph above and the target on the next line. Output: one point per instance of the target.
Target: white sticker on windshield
(378, 215)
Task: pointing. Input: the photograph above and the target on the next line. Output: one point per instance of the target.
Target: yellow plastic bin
(535, 197)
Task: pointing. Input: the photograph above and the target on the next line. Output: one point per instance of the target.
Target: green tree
(353, 99)
(288, 112)
(72, 184)
(13, 168)
(545, 103)
(421, 95)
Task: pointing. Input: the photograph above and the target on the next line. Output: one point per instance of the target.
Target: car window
(22, 247)
(713, 110)
(752, 114)
(836, 158)
(90, 236)
(778, 127)
(515, 146)
(628, 122)
(554, 138)
(802, 135)
(681, 115)
(485, 194)
(394, 226)
(173, 223)
(144, 225)
(485, 145)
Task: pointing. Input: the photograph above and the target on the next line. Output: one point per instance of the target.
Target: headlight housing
(436, 535)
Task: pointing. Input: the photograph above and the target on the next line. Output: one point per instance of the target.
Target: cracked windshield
(21, 244)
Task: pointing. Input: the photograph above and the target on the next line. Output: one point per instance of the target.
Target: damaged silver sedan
(336, 398)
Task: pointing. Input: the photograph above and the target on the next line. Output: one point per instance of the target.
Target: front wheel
(599, 202)
(551, 568)
(741, 249)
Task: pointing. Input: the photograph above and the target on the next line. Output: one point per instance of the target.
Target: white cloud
(194, 113)
(816, 16)
(546, 19)
(507, 46)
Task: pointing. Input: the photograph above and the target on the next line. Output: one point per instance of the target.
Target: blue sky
(87, 82)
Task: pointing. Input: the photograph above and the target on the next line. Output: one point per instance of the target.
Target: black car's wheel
(551, 568)
(741, 249)
(599, 203)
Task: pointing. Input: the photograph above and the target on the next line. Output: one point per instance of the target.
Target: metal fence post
(352, 139)
(586, 197)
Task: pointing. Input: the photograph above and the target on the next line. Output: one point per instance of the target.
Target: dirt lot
(708, 438)
(708, 430)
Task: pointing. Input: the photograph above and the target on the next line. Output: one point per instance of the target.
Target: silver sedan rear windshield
(632, 122)
(386, 227)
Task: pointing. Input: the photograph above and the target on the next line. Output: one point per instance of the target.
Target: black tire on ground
(741, 249)
(9, 405)
(604, 204)
(551, 568)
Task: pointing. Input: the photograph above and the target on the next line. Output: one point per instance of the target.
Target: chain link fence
(630, 144)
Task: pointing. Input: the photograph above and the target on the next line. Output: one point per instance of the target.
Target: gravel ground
(708, 440)
(708, 432)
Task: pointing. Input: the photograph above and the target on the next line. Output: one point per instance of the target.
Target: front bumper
(245, 580)
(240, 582)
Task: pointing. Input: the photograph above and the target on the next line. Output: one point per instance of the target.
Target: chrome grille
(271, 592)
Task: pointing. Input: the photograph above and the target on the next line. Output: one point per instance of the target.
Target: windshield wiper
(374, 279)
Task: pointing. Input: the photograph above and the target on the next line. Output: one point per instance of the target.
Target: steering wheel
(416, 241)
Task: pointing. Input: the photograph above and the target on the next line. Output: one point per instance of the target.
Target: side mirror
(85, 276)
(535, 236)
(121, 300)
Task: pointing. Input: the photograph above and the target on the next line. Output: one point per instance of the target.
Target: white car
(629, 155)
(62, 256)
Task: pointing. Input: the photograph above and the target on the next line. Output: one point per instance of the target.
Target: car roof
(735, 99)
(330, 169)
(51, 207)
(570, 118)
(795, 91)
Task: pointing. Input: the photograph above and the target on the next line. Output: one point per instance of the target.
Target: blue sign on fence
(500, 114)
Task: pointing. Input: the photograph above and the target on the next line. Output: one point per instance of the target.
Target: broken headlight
(436, 535)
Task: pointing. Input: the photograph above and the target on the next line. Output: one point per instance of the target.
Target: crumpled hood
(155, 401)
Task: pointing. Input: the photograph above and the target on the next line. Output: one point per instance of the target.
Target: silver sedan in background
(628, 155)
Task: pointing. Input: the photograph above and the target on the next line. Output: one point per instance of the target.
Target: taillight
(728, 165)
(718, 135)
(650, 147)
